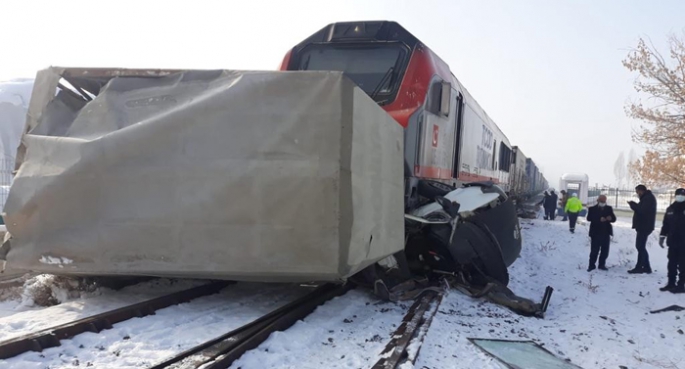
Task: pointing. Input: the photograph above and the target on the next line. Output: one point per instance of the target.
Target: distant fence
(619, 198)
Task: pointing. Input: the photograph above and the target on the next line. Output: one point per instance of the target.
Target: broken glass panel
(521, 354)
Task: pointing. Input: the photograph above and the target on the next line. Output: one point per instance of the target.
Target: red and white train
(448, 135)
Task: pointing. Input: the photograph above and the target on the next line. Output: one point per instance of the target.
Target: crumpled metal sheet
(270, 176)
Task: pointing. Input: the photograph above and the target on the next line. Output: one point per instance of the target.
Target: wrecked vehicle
(268, 176)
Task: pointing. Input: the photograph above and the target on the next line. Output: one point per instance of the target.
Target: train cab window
(376, 69)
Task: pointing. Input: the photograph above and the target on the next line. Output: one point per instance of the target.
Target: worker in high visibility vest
(573, 207)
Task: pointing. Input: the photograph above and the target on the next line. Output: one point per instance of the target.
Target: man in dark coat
(673, 229)
(551, 205)
(644, 218)
(600, 217)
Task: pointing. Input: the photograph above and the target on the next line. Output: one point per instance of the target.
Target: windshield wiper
(387, 75)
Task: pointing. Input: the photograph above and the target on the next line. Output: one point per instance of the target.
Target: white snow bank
(48, 290)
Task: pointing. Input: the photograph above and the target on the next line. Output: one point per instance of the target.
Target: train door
(459, 125)
(436, 135)
(494, 157)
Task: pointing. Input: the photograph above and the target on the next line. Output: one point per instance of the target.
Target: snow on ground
(142, 342)
(349, 331)
(597, 320)
(18, 318)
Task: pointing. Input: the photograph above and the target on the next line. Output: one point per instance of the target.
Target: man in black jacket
(673, 228)
(600, 217)
(644, 218)
(551, 205)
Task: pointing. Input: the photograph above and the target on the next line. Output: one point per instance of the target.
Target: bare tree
(663, 82)
(632, 159)
(620, 171)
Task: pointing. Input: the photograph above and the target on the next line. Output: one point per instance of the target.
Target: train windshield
(375, 69)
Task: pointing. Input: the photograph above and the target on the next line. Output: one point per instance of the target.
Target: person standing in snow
(573, 207)
(673, 229)
(562, 203)
(600, 217)
(543, 202)
(644, 218)
(551, 205)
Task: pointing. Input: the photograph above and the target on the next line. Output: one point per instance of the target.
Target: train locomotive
(450, 144)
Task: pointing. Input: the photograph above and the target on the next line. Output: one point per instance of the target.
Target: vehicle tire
(476, 245)
(432, 189)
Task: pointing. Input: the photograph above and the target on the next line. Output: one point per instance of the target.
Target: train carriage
(518, 180)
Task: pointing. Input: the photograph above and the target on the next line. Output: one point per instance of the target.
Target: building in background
(578, 183)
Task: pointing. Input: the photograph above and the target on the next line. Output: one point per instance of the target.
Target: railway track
(51, 337)
(412, 331)
(222, 351)
(215, 353)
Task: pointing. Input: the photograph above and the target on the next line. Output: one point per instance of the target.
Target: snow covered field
(596, 320)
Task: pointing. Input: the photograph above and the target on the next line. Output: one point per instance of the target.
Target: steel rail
(222, 351)
(396, 351)
(50, 337)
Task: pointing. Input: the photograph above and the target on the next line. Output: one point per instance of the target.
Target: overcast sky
(548, 72)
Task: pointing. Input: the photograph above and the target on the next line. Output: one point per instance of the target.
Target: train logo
(436, 133)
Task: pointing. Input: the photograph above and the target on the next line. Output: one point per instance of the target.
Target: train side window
(505, 157)
(440, 98)
(445, 94)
